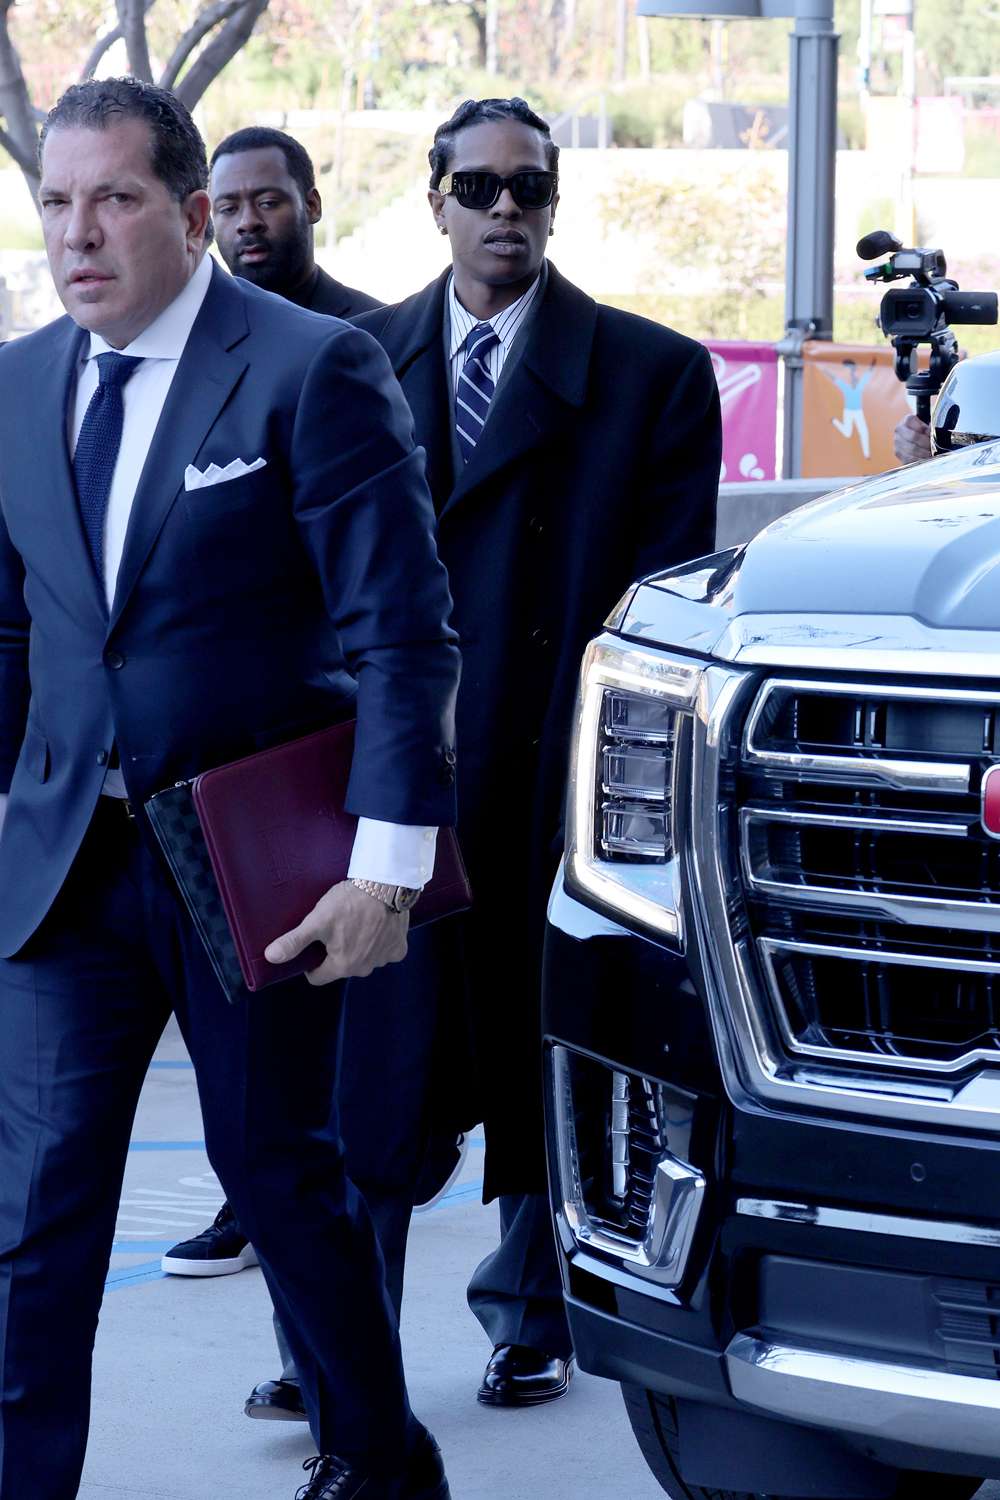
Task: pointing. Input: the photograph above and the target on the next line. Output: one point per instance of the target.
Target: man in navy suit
(158, 617)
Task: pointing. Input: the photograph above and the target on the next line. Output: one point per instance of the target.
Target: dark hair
(257, 137)
(178, 156)
(479, 112)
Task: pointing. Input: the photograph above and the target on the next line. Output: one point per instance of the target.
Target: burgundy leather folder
(277, 836)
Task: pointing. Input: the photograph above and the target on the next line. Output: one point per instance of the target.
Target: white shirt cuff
(393, 853)
(3, 808)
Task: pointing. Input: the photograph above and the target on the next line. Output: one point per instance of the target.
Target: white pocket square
(194, 479)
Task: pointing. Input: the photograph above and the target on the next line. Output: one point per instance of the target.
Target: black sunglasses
(483, 189)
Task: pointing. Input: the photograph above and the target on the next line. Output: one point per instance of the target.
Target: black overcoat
(599, 463)
(329, 296)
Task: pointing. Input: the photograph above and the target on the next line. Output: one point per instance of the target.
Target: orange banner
(852, 404)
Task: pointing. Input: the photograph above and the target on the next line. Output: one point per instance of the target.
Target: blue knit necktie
(475, 389)
(97, 448)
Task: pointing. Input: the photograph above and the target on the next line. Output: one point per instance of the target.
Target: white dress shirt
(506, 325)
(391, 853)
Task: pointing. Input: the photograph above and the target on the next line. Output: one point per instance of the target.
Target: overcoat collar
(547, 386)
(205, 376)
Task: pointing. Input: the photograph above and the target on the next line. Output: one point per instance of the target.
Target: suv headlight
(632, 709)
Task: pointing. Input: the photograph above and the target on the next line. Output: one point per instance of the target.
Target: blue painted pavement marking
(166, 1145)
(461, 1194)
(117, 1281)
(142, 1247)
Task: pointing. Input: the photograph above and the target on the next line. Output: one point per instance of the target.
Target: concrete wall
(745, 509)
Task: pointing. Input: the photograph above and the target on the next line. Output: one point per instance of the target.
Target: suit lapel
(206, 374)
(413, 338)
(51, 478)
(546, 388)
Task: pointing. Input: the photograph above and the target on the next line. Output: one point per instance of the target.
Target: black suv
(772, 1006)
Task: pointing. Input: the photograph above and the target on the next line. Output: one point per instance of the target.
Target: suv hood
(892, 571)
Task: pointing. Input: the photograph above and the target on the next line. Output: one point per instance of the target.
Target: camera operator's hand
(912, 440)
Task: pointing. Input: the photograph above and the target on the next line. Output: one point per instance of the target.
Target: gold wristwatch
(397, 898)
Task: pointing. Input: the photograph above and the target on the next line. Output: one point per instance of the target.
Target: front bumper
(785, 1298)
(904, 1404)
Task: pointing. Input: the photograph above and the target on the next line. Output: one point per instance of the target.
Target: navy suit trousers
(81, 1009)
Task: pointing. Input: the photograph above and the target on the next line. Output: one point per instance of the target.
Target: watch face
(405, 899)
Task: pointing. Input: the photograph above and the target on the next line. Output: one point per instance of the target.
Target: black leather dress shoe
(423, 1478)
(519, 1376)
(276, 1401)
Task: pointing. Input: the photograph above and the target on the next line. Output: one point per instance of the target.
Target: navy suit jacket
(246, 613)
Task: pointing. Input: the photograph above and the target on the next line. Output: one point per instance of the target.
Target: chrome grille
(871, 888)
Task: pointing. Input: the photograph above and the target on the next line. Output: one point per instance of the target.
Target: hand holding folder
(254, 845)
(358, 934)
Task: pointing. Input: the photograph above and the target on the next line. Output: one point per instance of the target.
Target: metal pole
(812, 167)
(906, 226)
(865, 53)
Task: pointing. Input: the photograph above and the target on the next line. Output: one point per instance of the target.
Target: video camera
(922, 312)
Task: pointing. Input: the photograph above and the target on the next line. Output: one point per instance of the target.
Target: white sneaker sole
(463, 1152)
(172, 1265)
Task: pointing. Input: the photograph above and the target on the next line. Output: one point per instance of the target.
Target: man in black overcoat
(265, 204)
(571, 448)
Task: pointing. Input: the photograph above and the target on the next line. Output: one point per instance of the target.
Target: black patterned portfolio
(174, 820)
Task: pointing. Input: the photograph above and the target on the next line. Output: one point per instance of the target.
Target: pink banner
(748, 388)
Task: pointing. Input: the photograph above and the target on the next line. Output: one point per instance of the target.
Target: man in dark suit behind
(215, 534)
(265, 204)
(571, 448)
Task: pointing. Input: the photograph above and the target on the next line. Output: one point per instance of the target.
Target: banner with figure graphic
(853, 401)
(748, 389)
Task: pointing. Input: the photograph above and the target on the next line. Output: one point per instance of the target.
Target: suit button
(114, 660)
(102, 757)
(538, 638)
(535, 525)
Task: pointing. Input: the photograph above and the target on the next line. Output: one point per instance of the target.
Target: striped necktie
(97, 448)
(475, 389)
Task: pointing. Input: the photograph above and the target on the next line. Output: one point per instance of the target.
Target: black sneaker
(220, 1250)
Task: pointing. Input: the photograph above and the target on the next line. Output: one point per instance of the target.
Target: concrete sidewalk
(176, 1357)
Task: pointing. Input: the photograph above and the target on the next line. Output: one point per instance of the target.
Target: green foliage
(647, 115)
(725, 239)
(877, 213)
(19, 232)
(982, 154)
(960, 37)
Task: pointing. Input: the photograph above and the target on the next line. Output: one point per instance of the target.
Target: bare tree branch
(28, 164)
(132, 19)
(221, 50)
(104, 44)
(20, 135)
(204, 22)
